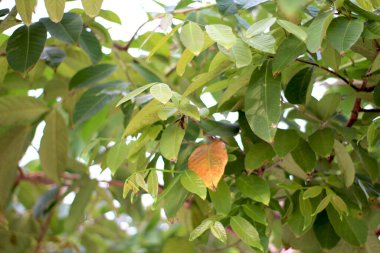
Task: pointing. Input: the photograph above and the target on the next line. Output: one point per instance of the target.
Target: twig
(354, 113)
(330, 71)
(357, 105)
(126, 46)
(45, 227)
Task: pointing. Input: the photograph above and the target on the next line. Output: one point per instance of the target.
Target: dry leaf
(209, 161)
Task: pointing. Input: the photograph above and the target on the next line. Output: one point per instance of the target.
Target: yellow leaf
(209, 161)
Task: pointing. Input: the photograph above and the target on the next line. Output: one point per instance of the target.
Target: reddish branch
(330, 71)
(355, 112)
(45, 226)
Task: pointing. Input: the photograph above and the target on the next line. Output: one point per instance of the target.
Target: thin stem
(45, 226)
(330, 71)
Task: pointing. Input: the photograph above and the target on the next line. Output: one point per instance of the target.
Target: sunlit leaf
(209, 161)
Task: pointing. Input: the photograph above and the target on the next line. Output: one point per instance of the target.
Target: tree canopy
(251, 125)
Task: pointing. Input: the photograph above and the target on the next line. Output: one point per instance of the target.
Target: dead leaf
(209, 161)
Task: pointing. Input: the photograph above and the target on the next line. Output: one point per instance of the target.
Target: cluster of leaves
(292, 171)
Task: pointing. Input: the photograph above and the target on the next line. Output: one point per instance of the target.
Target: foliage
(297, 167)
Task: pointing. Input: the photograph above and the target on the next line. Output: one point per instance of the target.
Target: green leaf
(90, 44)
(219, 128)
(110, 16)
(262, 103)
(221, 34)
(285, 141)
(226, 7)
(297, 88)
(173, 196)
(67, 30)
(162, 42)
(186, 57)
(365, 4)
(258, 154)
(200, 80)
(92, 7)
(304, 156)
(322, 141)
(25, 46)
(331, 58)
(153, 184)
(264, 43)
(324, 232)
(351, 229)
(26, 8)
(259, 27)
(339, 204)
(130, 185)
(193, 183)
(90, 103)
(161, 92)
(190, 111)
(221, 198)
(3, 69)
(192, 37)
(171, 140)
(254, 187)
(312, 192)
(77, 209)
(316, 32)
(287, 53)
(242, 54)
(345, 163)
(376, 95)
(218, 230)
(17, 110)
(256, 213)
(306, 210)
(246, 232)
(134, 93)
(54, 146)
(174, 243)
(290, 166)
(55, 9)
(322, 205)
(198, 231)
(343, 33)
(294, 29)
(116, 156)
(327, 106)
(91, 75)
(12, 148)
(148, 115)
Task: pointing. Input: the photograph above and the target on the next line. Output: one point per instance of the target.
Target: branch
(126, 46)
(181, 11)
(354, 113)
(45, 227)
(357, 105)
(40, 178)
(330, 71)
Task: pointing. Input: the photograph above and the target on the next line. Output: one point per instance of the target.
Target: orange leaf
(209, 161)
